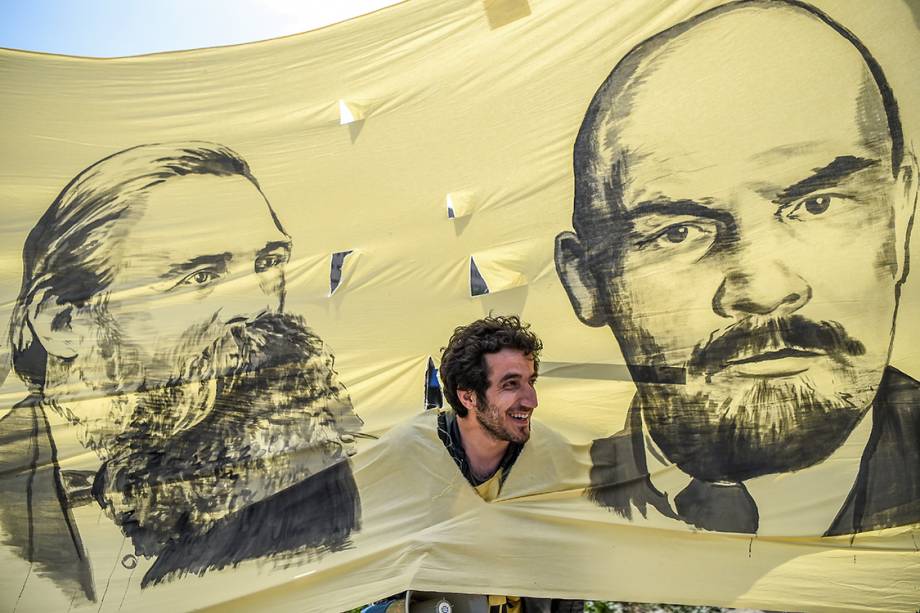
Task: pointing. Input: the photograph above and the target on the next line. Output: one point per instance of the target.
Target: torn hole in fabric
(503, 267)
(478, 286)
(350, 112)
(335, 269)
(434, 399)
(460, 204)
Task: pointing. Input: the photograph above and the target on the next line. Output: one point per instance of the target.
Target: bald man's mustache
(794, 335)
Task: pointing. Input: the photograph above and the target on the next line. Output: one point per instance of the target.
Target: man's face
(510, 398)
(754, 245)
(204, 252)
(214, 398)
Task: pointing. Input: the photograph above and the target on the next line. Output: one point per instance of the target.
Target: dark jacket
(317, 514)
(886, 492)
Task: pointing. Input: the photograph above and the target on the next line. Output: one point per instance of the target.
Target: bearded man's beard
(718, 426)
(257, 411)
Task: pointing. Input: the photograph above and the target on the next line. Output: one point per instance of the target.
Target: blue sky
(107, 28)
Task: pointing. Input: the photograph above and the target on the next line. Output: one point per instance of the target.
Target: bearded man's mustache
(258, 410)
(795, 332)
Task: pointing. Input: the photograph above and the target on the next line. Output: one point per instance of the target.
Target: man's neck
(483, 451)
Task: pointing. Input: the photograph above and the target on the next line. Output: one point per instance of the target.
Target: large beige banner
(228, 274)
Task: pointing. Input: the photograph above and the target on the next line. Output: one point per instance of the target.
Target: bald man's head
(732, 72)
(742, 206)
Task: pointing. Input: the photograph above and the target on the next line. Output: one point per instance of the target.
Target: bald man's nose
(766, 288)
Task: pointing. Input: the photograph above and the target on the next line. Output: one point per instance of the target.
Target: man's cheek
(163, 321)
(849, 287)
(673, 306)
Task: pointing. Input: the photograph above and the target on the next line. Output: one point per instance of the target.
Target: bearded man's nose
(248, 305)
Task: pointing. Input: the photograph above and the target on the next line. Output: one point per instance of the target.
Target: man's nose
(529, 397)
(760, 285)
(252, 299)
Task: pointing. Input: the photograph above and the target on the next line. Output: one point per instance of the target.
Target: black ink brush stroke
(317, 515)
(34, 513)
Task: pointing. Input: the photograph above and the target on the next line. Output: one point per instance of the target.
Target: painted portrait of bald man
(743, 205)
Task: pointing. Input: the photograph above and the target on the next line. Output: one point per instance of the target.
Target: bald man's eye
(676, 234)
(270, 260)
(199, 278)
(812, 206)
(680, 235)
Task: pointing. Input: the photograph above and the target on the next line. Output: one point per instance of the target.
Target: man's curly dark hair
(463, 361)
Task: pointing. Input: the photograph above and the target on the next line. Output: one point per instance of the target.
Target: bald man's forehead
(733, 92)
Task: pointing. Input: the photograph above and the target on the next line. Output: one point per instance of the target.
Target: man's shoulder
(897, 408)
(421, 425)
(900, 392)
(548, 461)
(887, 489)
(415, 434)
(619, 477)
(542, 434)
(617, 452)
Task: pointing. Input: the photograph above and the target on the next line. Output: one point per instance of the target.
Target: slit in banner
(478, 286)
(350, 112)
(433, 397)
(335, 269)
(503, 267)
(459, 204)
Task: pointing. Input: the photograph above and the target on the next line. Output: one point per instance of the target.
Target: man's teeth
(520, 416)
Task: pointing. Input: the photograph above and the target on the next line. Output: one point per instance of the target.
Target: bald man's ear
(906, 193)
(576, 277)
(62, 329)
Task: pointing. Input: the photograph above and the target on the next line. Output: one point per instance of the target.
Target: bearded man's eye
(199, 278)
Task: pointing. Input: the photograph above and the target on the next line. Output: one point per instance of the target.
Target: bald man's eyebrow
(678, 208)
(823, 178)
(218, 261)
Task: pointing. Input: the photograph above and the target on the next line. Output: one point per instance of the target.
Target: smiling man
(151, 320)
(742, 213)
(489, 369)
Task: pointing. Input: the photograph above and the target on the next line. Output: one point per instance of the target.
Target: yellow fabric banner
(228, 274)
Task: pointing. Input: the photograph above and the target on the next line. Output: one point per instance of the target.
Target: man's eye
(199, 277)
(271, 260)
(810, 207)
(677, 234)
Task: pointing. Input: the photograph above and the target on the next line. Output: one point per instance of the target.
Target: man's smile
(521, 416)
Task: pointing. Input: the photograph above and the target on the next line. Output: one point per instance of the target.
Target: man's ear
(904, 208)
(468, 399)
(579, 283)
(61, 328)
